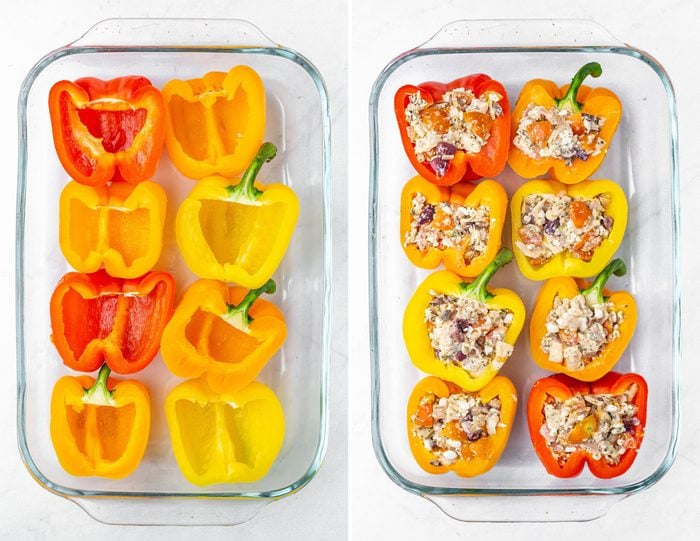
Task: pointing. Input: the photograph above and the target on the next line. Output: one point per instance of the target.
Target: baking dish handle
(175, 33)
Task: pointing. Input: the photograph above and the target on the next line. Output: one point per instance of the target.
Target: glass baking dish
(298, 123)
(643, 159)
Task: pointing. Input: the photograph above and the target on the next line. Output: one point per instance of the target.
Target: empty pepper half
(237, 231)
(107, 130)
(100, 427)
(600, 423)
(459, 225)
(560, 230)
(215, 124)
(565, 130)
(226, 334)
(119, 227)
(463, 332)
(224, 438)
(96, 318)
(450, 429)
(582, 329)
(455, 131)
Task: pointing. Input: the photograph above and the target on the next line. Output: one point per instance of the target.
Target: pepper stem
(246, 189)
(477, 289)
(238, 313)
(594, 293)
(98, 394)
(569, 100)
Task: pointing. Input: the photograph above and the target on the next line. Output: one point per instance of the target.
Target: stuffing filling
(447, 425)
(558, 133)
(467, 333)
(447, 225)
(602, 425)
(577, 331)
(552, 224)
(460, 121)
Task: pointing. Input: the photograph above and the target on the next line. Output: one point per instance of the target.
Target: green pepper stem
(569, 100)
(240, 311)
(477, 289)
(246, 189)
(594, 293)
(98, 394)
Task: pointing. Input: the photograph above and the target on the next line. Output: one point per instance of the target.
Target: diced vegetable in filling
(602, 425)
(467, 333)
(552, 224)
(558, 133)
(461, 121)
(447, 225)
(447, 425)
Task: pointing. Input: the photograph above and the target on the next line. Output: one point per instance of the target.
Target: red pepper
(96, 318)
(107, 130)
(489, 162)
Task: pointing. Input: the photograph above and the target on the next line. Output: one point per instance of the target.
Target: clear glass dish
(298, 123)
(643, 159)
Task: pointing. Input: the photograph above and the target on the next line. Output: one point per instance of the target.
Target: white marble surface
(27, 32)
(379, 508)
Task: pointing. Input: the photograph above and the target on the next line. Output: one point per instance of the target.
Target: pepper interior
(101, 432)
(212, 336)
(115, 128)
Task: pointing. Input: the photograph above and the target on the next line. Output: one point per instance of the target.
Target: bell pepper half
(477, 457)
(224, 438)
(119, 226)
(214, 124)
(96, 318)
(415, 330)
(107, 130)
(489, 161)
(99, 427)
(578, 100)
(237, 231)
(224, 334)
(566, 287)
(568, 263)
(488, 193)
(560, 388)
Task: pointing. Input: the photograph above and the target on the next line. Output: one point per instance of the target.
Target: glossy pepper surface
(96, 318)
(489, 161)
(561, 387)
(99, 427)
(237, 231)
(107, 130)
(567, 263)
(415, 330)
(215, 124)
(226, 334)
(566, 288)
(224, 438)
(477, 457)
(119, 227)
(579, 100)
(488, 193)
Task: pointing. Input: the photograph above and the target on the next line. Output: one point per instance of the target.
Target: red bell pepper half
(96, 318)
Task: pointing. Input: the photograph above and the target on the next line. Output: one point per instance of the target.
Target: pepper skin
(215, 124)
(224, 438)
(479, 456)
(99, 427)
(226, 334)
(562, 387)
(487, 192)
(415, 331)
(237, 231)
(578, 99)
(106, 131)
(490, 161)
(565, 263)
(96, 318)
(119, 227)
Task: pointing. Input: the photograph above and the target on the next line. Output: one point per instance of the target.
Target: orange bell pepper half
(107, 130)
(100, 427)
(96, 318)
